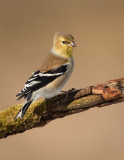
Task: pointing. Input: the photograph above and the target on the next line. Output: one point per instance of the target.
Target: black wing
(41, 79)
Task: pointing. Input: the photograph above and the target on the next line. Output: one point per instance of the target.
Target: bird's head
(63, 44)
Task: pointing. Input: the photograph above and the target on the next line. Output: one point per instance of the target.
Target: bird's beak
(72, 44)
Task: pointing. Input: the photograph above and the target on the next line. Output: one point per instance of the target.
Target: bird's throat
(66, 53)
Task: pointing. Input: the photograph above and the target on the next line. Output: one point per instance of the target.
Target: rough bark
(67, 103)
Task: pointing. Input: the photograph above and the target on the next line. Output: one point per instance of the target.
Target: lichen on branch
(73, 101)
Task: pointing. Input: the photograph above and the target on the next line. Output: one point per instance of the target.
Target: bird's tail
(23, 110)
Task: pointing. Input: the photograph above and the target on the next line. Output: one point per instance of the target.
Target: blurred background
(27, 28)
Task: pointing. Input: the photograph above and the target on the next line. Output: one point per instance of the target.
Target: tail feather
(23, 110)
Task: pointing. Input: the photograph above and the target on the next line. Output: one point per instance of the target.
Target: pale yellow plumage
(63, 49)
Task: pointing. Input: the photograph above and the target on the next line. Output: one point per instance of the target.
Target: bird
(55, 70)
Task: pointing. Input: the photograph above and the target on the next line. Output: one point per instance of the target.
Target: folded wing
(41, 79)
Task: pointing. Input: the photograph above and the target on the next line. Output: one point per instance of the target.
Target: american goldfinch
(53, 73)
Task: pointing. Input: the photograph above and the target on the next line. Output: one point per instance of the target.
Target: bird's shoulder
(52, 61)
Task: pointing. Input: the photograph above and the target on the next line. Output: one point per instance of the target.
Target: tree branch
(67, 103)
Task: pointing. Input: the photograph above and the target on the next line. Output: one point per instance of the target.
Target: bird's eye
(64, 42)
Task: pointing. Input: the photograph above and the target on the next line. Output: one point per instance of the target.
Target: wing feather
(41, 79)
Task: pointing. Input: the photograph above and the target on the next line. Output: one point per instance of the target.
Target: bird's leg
(68, 92)
(71, 90)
